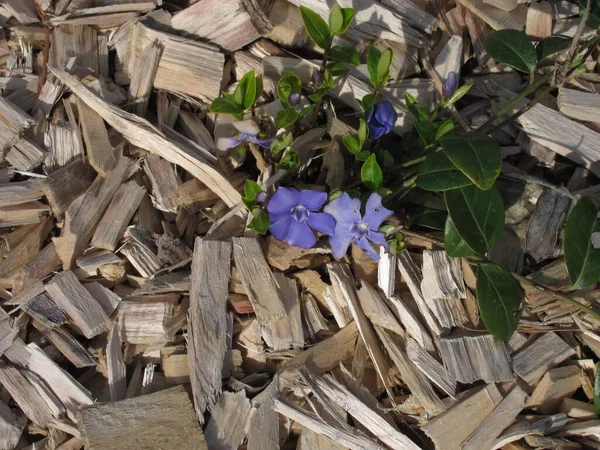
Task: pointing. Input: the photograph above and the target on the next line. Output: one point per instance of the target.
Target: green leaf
(551, 45)
(454, 245)
(260, 222)
(317, 28)
(222, 105)
(500, 299)
(363, 132)
(336, 18)
(477, 215)
(285, 118)
(371, 174)
(288, 83)
(245, 93)
(306, 110)
(251, 189)
(351, 144)
(348, 14)
(426, 131)
(597, 390)
(421, 113)
(459, 93)
(324, 88)
(428, 218)
(594, 19)
(344, 53)
(513, 48)
(363, 155)
(290, 161)
(337, 69)
(367, 103)
(478, 156)
(383, 66)
(445, 128)
(386, 158)
(437, 173)
(373, 58)
(281, 143)
(582, 260)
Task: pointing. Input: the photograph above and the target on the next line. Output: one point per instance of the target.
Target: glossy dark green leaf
(372, 63)
(281, 143)
(500, 300)
(251, 190)
(338, 69)
(336, 19)
(285, 118)
(478, 156)
(582, 260)
(348, 14)
(260, 220)
(597, 390)
(288, 83)
(363, 132)
(594, 19)
(513, 48)
(371, 174)
(383, 66)
(351, 144)
(428, 218)
(363, 155)
(290, 161)
(437, 173)
(317, 28)
(426, 131)
(344, 53)
(245, 92)
(445, 128)
(551, 45)
(222, 105)
(477, 215)
(454, 245)
(459, 93)
(306, 111)
(420, 112)
(367, 103)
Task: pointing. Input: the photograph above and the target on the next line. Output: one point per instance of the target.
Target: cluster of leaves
(248, 90)
(260, 218)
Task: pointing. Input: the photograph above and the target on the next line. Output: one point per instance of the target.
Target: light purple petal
(366, 246)
(300, 235)
(339, 243)
(322, 222)
(378, 238)
(279, 225)
(227, 143)
(345, 210)
(264, 143)
(247, 126)
(283, 200)
(312, 200)
(375, 213)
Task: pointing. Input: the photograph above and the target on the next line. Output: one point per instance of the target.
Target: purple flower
(293, 216)
(450, 85)
(350, 227)
(248, 132)
(382, 119)
(294, 98)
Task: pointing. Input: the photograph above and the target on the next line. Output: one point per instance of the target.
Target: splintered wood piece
(63, 144)
(93, 259)
(142, 134)
(13, 123)
(246, 22)
(539, 20)
(575, 104)
(64, 185)
(11, 426)
(376, 310)
(45, 311)
(79, 41)
(525, 429)
(533, 361)
(108, 300)
(117, 381)
(324, 356)
(413, 278)
(340, 274)
(430, 367)
(504, 5)
(142, 77)
(165, 182)
(25, 155)
(258, 280)
(83, 309)
(554, 386)
(263, 433)
(83, 214)
(100, 152)
(386, 273)
(228, 424)
(313, 319)
(201, 75)
(70, 347)
(146, 323)
(420, 387)
(136, 423)
(472, 358)
(19, 192)
(141, 251)
(207, 339)
(411, 323)
(353, 441)
(585, 428)
(503, 415)
(577, 409)
(287, 332)
(124, 204)
(496, 18)
(172, 282)
(442, 288)
(414, 14)
(450, 429)
(336, 303)
(377, 425)
(450, 58)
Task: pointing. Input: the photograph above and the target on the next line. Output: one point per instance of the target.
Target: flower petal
(339, 243)
(247, 126)
(376, 130)
(366, 246)
(312, 200)
(378, 238)
(264, 143)
(322, 222)
(227, 143)
(279, 225)
(300, 235)
(375, 213)
(345, 210)
(283, 200)
(385, 112)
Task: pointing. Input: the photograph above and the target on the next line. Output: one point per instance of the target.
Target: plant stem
(320, 101)
(410, 163)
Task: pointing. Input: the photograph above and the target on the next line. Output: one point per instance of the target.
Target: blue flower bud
(317, 77)
(450, 85)
(294, 98)
(382, 119)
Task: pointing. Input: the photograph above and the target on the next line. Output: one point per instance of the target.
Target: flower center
(299, 213)
(360, 229)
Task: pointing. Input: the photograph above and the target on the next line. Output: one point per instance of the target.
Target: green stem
(410, 163)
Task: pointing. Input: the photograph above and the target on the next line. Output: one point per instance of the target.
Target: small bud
(317, 77)
(294, 98)
(261, 198)
(450, 85)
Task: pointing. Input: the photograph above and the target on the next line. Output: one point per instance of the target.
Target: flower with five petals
(248, 133)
